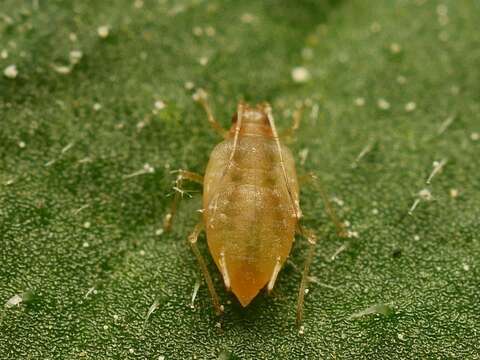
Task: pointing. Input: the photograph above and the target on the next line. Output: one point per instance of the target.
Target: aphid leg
(312, 241)
(192, 239)
(340, 227)
(181, 177)
(296, 207)
(297, 118)
(201, 97)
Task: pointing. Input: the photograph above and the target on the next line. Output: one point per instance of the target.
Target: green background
(71, 221)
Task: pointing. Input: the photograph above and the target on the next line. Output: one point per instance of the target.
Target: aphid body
(250, 203)
(251, 206)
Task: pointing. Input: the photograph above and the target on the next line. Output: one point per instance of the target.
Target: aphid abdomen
(249, 216)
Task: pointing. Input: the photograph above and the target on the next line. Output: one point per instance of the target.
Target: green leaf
(87, 149)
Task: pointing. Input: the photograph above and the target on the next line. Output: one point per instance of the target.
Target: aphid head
(252, 120)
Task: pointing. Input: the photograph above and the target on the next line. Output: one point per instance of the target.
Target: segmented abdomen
(249, 215)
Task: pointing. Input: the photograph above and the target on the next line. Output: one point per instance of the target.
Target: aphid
(251, 208)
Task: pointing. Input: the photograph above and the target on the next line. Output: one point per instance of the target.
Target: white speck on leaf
(90, 291)
(375, 27)
(338, 201)
(337, 252)
(10, 72)
(210, 31)
(189, 85)
(200, 94)
(443, 36)
(362, 153)
(300, 74)
(307, 53)
(352, 234)
(442, 10)
(147, 169)
(455, 90)
(97, 106)
(454, 193)
(395, 48)
(197, 31)
(360, 101)
(303, 154)
(437, 167)
(159, 105)
(446, 124)
(247, 18)
(401, 79)
(67, 147)
(301, 331)
(75, 56)
(377, 309)
(203, 61)
(194, 293)
(4, 54)
(410, 106)
(62, 69)
(383, 104)
(15, 300)
(425, 194)
(103, 31)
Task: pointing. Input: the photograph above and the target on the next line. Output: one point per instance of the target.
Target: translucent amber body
(250, 213)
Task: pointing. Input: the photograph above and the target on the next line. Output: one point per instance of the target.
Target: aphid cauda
(251, 208)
